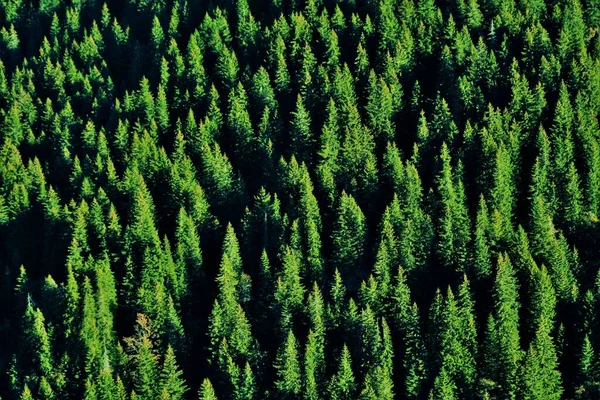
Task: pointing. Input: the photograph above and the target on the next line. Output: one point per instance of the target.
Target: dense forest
(299, 199)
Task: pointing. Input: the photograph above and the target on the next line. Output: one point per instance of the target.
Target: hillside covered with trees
(299, 199)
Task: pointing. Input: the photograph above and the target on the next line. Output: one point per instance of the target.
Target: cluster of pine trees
(299, 199)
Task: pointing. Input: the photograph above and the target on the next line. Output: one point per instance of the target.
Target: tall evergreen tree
(503, 352)
(349, 238)
(289, 376)
(342, 385)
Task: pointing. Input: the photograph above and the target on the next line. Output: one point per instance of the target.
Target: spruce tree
(349, 238)
(342, 385)
(172, 385)
(289, 376)
(541, 378)
(206, 391)
(503, 351)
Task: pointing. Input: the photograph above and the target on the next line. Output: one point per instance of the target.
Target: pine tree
(541, 378)
(502, 196)
(289, 293)
(454, 222)
(336, 308)
(468, 337)
(289, 376)
(503, 352)
(349, 238)
(370, 340)
(455, 359)
(380, 110)
(543, 299)
(314, 366)
(26, 394)
(482, 265)
(248, 28)
(342, 386)
(238, 121)
(172, 384)
(90, 333)
(206, 391)
(301, 133)
(587, 370)
(188, 251)
(107, 387)
(146, 374)
(39, 349)
(329, 148)
(247, 389)
(553, 249)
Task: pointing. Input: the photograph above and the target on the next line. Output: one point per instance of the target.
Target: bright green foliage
(301, 133)
(503, 343)
(144, 357)
(453, 223)
(26, 395)
(337, 305)
(38, 342)
(502, 196)
(482, 264)
(444, 387)
(456, 337)
(405, 316)
(188, 251)
(349, 237)
(553, 249)
(541, 379)
(206, 391)
(380, 109)
(543, 299)
(329, 148)
(342, 385)
(289, 376)
(172, 385)
(314, 363)
(228, 321)
(587, 372)
(267, 184)
(289, 293)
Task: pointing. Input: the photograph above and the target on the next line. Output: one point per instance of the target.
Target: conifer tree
(502, 192)
(368, 142)
(349, 237)
(342, 385)
(336, 308)
(289, 376)
(301, 133)
(329, 148)
(206, 391)
(543, 299)
(444, 387)
(453, 225)
(289, 293)
(541, 379)
(503, 351)
(172, 385)
(314, 366)
(39, 350)
(482, 265)
(146, 373)
(587, 372)
(188, 251)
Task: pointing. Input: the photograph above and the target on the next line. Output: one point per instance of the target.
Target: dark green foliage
(503, 343)
(259, 199)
